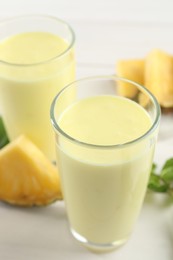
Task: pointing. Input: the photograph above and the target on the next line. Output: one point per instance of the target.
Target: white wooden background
(106, 30)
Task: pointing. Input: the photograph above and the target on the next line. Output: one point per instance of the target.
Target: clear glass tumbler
(27, 87)
(103, 184)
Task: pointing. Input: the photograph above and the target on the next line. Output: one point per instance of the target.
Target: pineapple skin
(27, 177)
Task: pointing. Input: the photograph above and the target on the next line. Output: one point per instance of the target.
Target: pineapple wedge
(27, 177)
(159, 76)
(133, 70)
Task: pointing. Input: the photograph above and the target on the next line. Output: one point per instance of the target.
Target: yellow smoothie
(104, 187)
(30, 77)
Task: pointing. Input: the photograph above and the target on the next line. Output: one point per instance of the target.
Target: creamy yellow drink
(104, 187)
(35, 66)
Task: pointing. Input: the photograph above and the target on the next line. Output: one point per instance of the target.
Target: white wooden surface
(106, 30)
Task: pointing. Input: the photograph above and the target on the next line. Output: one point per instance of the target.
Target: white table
(106, 30)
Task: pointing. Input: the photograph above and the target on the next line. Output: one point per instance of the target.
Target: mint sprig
(3, 135)
(162, 181)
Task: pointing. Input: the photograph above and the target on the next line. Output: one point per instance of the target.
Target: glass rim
(49, 17)
(154, 125)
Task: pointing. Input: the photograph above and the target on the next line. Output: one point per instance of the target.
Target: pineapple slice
(133, 70)
(159, 76)
(27, 177)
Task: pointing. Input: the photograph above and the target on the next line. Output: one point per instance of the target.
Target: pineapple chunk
(159, 76)
(27, 177)
(133, 70)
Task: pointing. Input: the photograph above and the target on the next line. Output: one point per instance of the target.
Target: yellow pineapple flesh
(132, 70)
(27, 177)
(159, 76)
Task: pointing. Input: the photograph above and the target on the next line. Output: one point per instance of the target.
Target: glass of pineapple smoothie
(105, 144)
(36, 62)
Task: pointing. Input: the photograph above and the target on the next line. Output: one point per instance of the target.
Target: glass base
(99, 248)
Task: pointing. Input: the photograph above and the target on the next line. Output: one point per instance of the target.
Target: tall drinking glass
(105, 145)
(36, 62)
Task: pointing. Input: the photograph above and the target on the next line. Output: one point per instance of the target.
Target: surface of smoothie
(104, 186)
(35, 67)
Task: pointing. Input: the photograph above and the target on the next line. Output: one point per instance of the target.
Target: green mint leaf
(157, 184)
(3, 136)
(153, 169)
(168, 163)
(167, 171)
(167, 174)
(3, 141)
